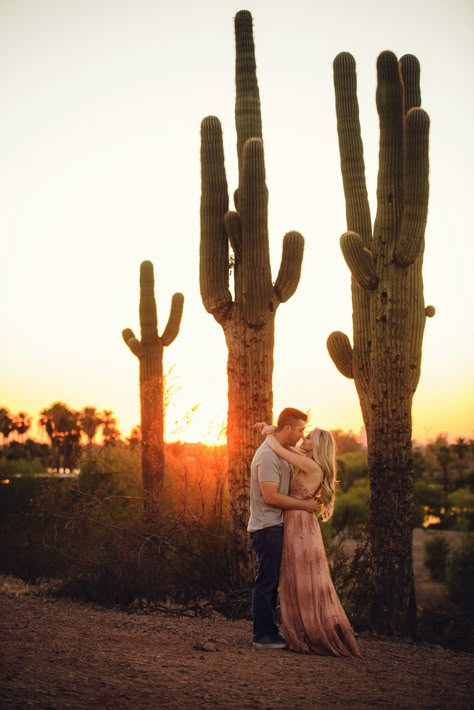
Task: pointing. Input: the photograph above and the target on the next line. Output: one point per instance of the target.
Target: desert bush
(351, 467)
(436, 555)
(16, 467)
(461, 510)
(92, 533)
(351, 575)
(352, 508)
(460, 574)
(428, 500)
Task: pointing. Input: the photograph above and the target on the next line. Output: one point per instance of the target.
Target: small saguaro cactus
(389, 313)
(149, 351)
(247, 318)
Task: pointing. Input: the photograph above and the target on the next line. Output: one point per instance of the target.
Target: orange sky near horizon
(99, 170)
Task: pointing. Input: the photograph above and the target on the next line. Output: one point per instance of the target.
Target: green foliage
(460, 574)
(461, 509)
(352, 508)
(428, 501)
(15, 467)
(351, 467)
(90, 531)
(436, 555)
(351, 573)
(120, 461)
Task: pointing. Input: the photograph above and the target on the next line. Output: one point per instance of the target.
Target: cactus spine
(388, 311)
(149, 351)
(247, 317)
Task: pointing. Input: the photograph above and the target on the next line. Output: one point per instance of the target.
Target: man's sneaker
(275, 641)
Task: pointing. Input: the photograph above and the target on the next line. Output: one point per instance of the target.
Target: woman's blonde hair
(324, 454)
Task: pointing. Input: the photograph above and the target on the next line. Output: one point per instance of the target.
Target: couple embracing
(288, 487)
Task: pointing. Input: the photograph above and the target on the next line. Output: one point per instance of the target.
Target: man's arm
(271, 496)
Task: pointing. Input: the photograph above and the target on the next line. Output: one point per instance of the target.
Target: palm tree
(63, 428)
(21, 423)
(90, 420)
(6, 423)
(110, 431)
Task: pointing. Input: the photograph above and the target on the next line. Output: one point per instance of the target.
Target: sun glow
(79, 216)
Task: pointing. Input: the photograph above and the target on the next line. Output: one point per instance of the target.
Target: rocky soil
(58, 653)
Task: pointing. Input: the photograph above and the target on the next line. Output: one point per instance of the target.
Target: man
(269, 486)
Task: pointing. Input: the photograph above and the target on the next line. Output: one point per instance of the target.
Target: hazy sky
(101, 105)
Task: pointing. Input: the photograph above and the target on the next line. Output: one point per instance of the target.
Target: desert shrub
(351, 509)
(196, 480)
(461, 510)
(460, 574)
(351, 575)
(93, 534)
(22, 549)
(16, 467)
(351, 467)
(428, 500)
(17, 495)
(436, 555)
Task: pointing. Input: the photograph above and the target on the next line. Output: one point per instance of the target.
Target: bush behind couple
(289, 489)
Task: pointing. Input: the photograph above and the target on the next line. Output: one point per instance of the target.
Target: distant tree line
(443, 484)
(68, 431)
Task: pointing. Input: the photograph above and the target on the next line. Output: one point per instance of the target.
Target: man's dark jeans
(268, 546)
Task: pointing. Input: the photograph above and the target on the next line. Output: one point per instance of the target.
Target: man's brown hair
(290, 417)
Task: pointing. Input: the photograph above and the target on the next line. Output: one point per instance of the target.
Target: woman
(313, 620)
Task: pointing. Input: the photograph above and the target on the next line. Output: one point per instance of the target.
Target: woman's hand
(264, 428)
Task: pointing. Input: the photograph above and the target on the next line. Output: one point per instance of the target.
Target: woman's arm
(264, 428)
(301, 461)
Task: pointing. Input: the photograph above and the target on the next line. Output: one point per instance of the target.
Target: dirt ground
(58, 653)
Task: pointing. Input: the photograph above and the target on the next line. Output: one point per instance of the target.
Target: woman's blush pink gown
(313, 620)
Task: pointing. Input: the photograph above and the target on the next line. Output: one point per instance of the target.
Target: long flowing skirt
(313, 620)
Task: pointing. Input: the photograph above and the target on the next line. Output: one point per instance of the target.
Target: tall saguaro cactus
(149, 351)
(388, 312)
(247, 317)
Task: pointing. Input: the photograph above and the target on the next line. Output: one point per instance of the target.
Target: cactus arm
(350, 147)
(359, 260)
(248, 118)
(340, 350)
(410, 68)
(132, 342)
(233, 227)
(290, 267)
(214, 246)
(254, 294)
(415, 209)
(174, 321)
(148, 314)
(389, 99)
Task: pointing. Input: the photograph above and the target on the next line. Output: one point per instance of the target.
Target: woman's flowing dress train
(313, 620)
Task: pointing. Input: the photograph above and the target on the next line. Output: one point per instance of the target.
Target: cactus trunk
(249, 372)
(246, 317)
(388, 313)
(152, 419)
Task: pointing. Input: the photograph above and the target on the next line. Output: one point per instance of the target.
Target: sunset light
(237, 346)
(100, 171)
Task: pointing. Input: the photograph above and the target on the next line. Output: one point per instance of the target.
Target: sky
(102, 102)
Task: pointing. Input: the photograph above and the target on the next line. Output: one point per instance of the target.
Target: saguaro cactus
(388, 311)
(149, 351)
(247, 317)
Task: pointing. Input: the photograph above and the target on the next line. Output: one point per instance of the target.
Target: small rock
(208, 646)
